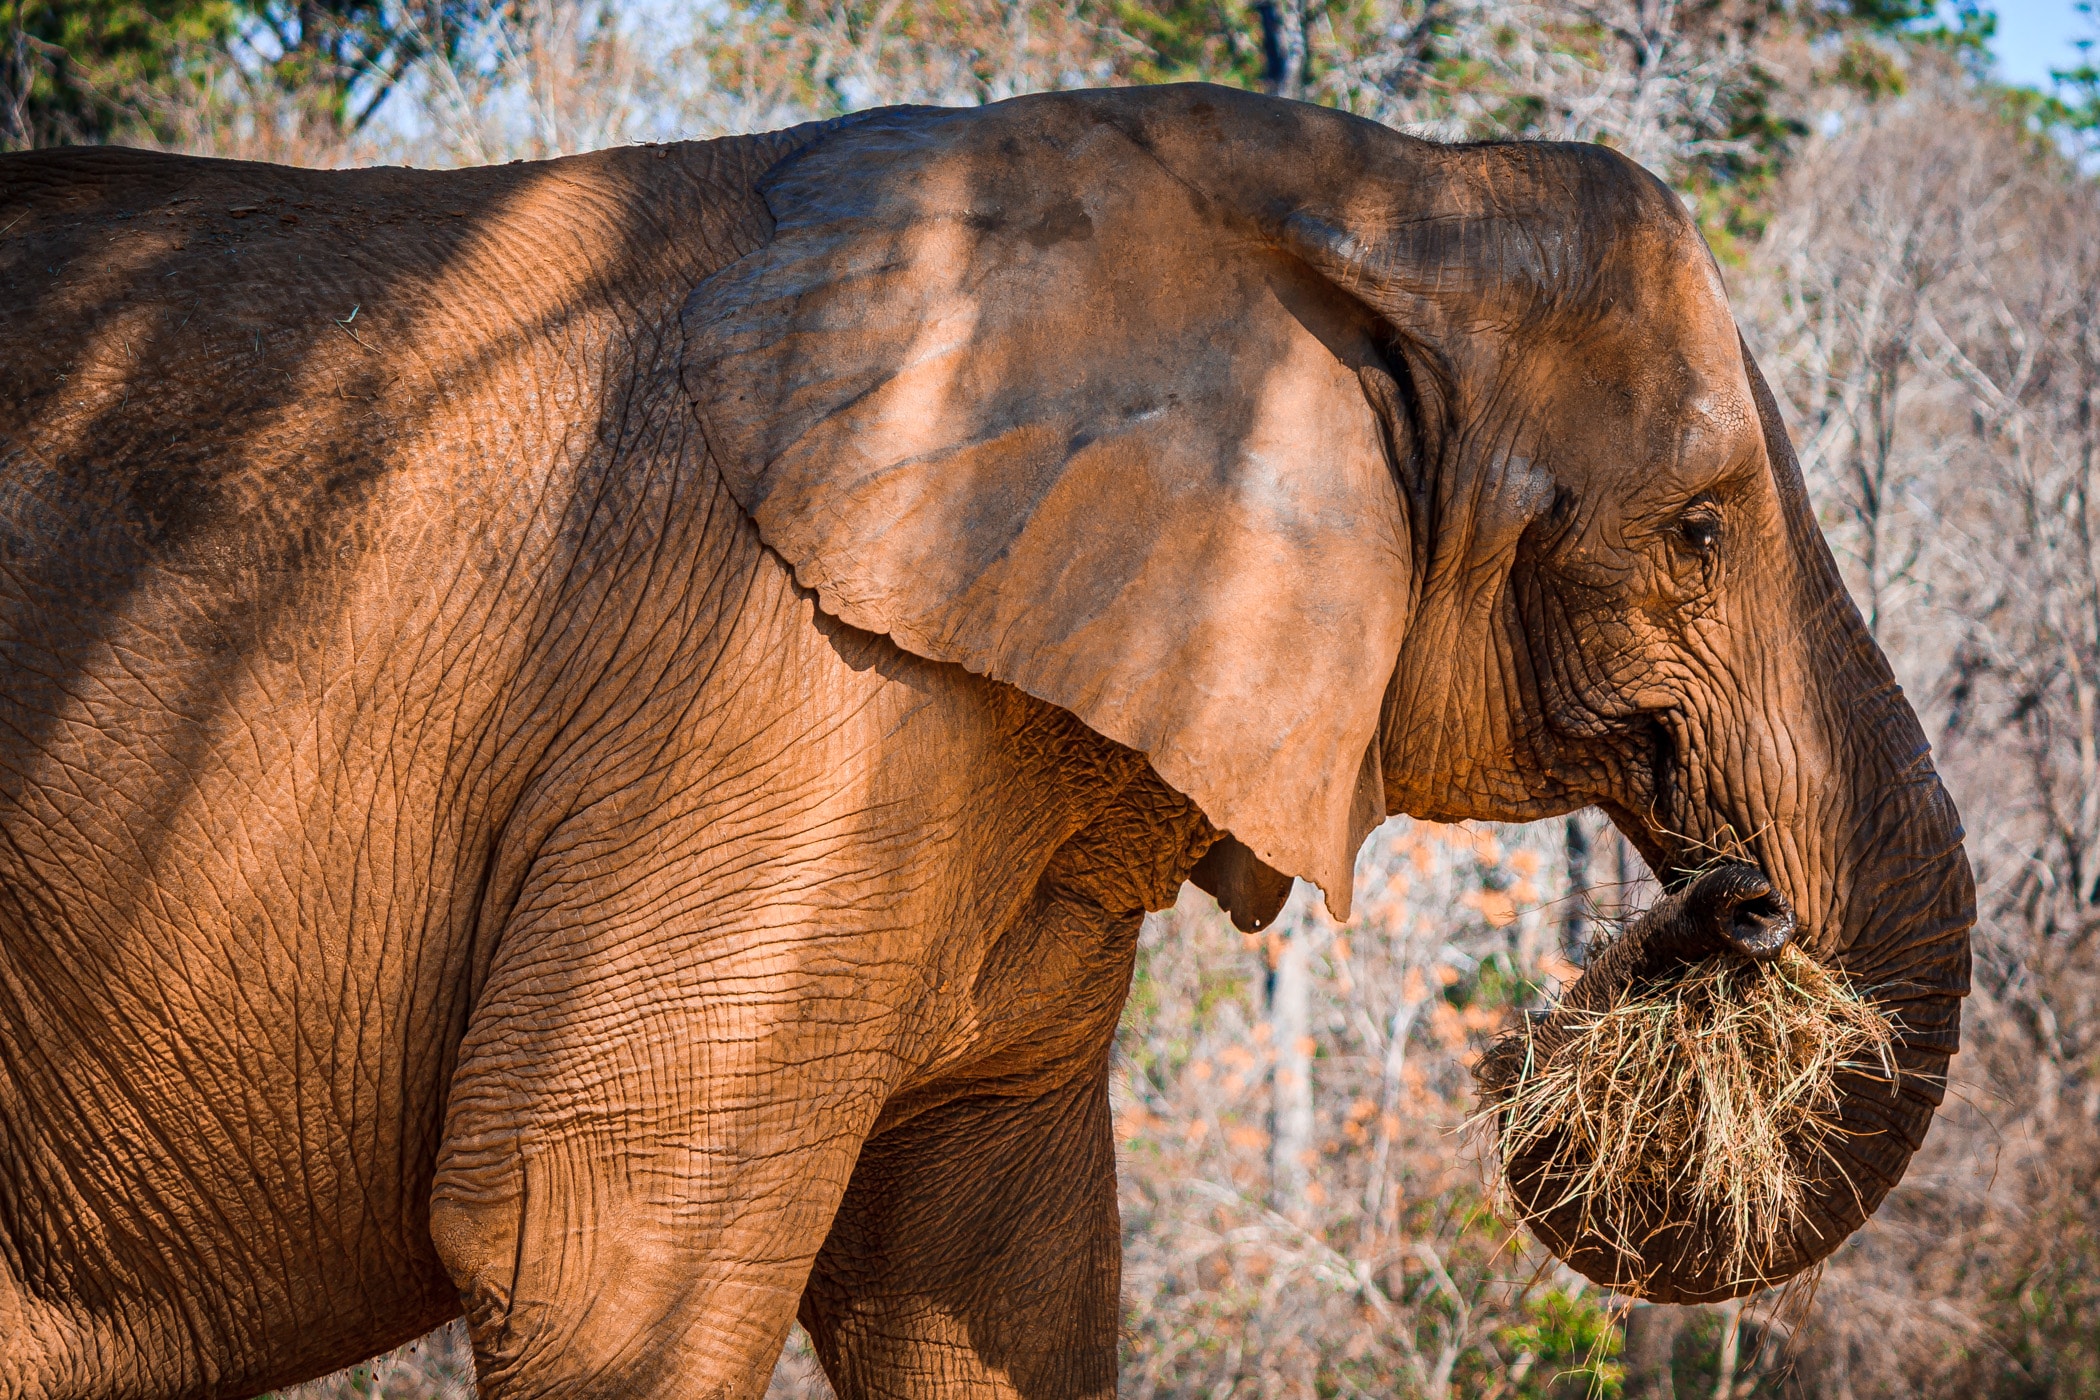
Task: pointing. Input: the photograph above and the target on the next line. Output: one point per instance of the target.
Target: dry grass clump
(1712, 1090)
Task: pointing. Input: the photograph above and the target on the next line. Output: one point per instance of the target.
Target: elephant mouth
(1667, 1127)
(1644, 796)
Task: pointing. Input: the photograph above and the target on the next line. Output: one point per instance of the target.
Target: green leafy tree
(81, 71)
(1567, 1348)
(89, 70)
(344, 58)
(2081, 83)
(1183, 40)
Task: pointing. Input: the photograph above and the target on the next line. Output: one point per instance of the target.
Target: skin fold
(589, 740)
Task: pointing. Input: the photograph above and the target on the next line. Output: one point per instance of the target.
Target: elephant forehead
(1634, 415)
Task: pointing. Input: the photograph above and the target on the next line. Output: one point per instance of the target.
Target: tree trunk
(1575, 921)
(1651, 1338)
(1730, 1355)
(1283, 46)
(1291, 1102)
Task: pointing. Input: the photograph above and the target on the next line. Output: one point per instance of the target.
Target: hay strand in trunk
(1711, 1089)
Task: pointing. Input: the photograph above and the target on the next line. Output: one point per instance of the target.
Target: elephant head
(1343, 474)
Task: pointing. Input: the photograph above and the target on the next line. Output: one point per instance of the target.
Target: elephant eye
(1700, 528)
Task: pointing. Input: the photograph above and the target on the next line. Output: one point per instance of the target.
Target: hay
(1714, 1089)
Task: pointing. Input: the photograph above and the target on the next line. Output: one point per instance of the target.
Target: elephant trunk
(1886, 900)
(1900, 934)
(1886, 895)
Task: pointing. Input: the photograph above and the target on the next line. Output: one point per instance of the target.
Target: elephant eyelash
(1700, 528)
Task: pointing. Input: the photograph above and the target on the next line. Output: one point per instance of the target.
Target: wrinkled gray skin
(588, 741)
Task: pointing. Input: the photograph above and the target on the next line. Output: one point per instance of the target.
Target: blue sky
(2035, 36)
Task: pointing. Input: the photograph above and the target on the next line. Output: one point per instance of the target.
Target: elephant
(586, 742)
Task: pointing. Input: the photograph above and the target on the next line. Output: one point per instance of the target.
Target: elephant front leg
(977, 1253)
(645, 1143)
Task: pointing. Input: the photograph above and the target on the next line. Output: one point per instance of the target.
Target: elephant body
(496, 816)
(445, 741)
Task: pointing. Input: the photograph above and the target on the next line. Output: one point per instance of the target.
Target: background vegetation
(1915, 254)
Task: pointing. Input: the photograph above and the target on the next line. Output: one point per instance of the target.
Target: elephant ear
(1005, 388)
